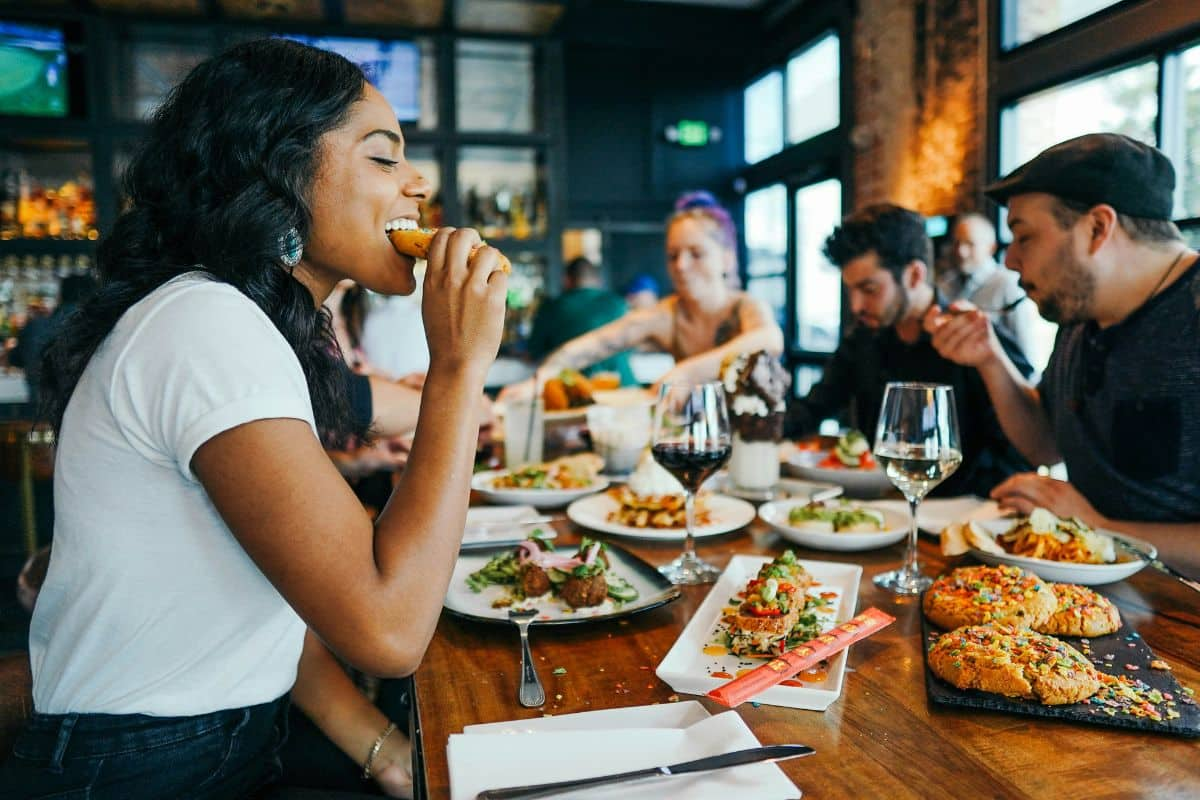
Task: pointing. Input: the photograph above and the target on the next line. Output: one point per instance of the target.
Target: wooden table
(881, 738)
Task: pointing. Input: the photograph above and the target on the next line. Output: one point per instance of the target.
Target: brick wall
(919, 103)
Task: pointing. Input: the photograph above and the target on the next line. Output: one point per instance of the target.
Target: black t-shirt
(1124, 403)
(867, 360)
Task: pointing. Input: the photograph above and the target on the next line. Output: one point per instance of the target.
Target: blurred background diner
(665, 208)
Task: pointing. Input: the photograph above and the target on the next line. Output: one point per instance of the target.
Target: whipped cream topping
(649, 478)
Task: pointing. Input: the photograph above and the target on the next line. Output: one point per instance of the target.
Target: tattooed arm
(635, 328)
(755, 329)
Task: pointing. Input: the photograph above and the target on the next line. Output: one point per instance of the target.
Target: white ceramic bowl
(538, 498)
(856, 482)
(775, 514)
(1067, 571)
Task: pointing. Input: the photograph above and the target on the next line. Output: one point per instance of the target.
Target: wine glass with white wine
(917, 443)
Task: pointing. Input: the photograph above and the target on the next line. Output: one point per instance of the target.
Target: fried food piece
(1014, 663)
(554, 396)
(534, 580)
(581, 592)
(1081, 612)
(1004, 595)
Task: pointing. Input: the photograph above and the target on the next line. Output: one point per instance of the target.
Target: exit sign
(692, 133)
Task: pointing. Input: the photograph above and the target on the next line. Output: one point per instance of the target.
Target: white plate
(653, 590)
(538, 498)
(488, 526)
(785, 488)
(857, 482)
(619, 740)
(687, 668)
(1065, 571)
(936, 513)
(626, 396)
(725, 514)
(775, 514)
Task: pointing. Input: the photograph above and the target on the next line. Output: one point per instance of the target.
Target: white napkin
(481, 760)
(936, 513)
(498, 524)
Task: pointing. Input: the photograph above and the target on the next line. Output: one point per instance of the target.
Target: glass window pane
(818, 283)
(1121, 101)
(429, 88)
(766, 231)
(424, 158)
(495, 86)
(1188, 162)
(145, 71)
(1025, 20)
(813, 85)
(502, 191)
(773, 292)
(764, 117)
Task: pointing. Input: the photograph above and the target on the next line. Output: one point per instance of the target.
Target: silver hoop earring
(290, 248)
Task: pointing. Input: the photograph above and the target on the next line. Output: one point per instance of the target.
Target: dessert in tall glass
(757, 386)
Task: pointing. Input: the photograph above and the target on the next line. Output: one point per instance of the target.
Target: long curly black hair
(223, 174)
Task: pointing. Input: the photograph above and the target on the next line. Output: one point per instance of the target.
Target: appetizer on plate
(1004, 595)
(570, 472)
(1015, 663)
(652, 498)
(1040, 535)
(775, 611)
(569, 389)
(836, 516)
(852, 451)
(1080, 612)
(534, 572)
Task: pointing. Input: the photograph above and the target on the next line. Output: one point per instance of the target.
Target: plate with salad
(567, 584)
(838, 524)
(848, 464)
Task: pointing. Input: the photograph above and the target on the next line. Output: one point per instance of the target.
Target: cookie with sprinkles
(1004, 595)
(1014, 662)
(1081, 612)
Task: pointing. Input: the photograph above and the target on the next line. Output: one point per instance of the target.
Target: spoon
(531, 694)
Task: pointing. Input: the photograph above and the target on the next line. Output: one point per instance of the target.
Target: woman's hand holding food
(1027, 490)
(963, 334)
(463, 302)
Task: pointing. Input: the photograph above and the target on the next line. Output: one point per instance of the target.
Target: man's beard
(1071, 298)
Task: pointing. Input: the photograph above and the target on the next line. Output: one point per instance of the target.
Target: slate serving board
(1126, 649)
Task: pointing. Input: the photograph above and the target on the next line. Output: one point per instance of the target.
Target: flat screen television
(393, 67)
(33, 70)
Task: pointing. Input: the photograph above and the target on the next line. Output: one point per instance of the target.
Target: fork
(1167, 569)
(531, 693)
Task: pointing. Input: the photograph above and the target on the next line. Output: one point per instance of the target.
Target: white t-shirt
(150, 604)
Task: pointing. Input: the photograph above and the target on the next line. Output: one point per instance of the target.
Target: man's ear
(915, 273)
(1102, 223)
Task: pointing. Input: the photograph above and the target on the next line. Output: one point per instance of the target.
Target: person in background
(39, 330)
(208, 559)
(393, 337)
(584, 305)
(884, 255)
(975, 276)
(641, 292)
(699, 325)
(1119, 402)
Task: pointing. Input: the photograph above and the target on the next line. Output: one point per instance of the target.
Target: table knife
(753, 755)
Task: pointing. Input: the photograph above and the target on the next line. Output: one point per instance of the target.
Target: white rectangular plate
(687, 668)
(500, 757)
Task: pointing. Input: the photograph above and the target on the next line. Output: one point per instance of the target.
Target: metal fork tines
(1159, 565)
(531, 693)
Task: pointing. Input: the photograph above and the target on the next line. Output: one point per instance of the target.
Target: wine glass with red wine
(691, 441)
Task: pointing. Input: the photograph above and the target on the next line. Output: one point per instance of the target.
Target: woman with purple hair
(703, 322)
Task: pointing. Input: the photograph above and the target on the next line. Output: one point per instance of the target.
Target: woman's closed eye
(386, 163)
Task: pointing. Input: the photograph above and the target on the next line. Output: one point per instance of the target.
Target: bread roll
(415, 243)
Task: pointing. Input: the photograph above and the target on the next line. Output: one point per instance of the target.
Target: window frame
(1121, 35)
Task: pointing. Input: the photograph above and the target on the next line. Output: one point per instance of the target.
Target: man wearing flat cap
(1119, 402)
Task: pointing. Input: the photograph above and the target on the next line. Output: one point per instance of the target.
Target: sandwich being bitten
(410, 240)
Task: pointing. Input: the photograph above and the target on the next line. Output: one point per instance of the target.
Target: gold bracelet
(375, 749)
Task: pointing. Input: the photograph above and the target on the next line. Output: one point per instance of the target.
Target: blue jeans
(225, 754)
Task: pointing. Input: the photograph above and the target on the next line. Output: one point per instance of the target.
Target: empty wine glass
(691, 440)
(917, 443)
